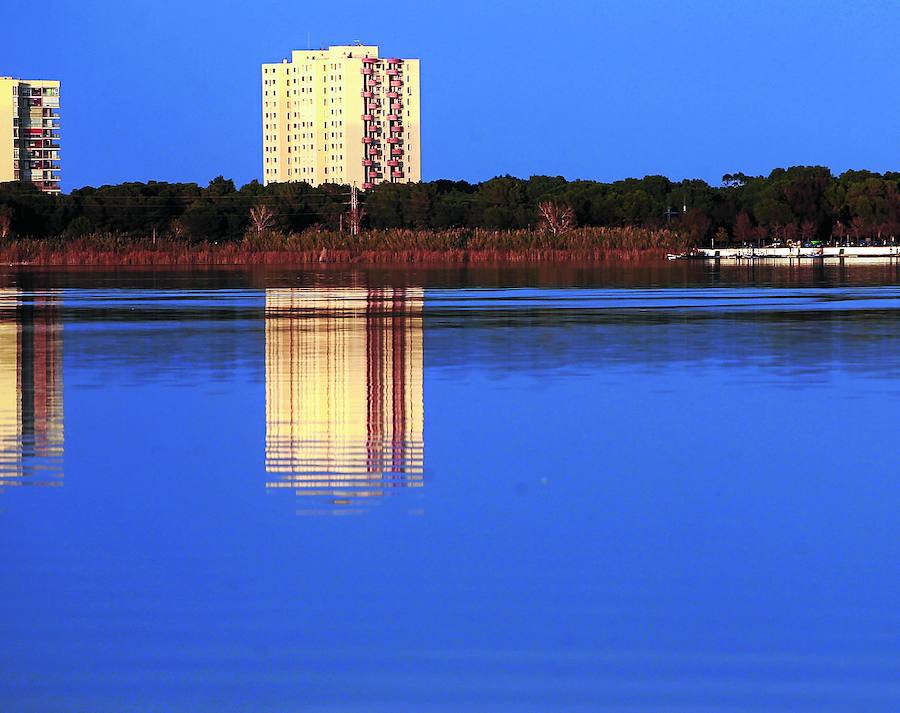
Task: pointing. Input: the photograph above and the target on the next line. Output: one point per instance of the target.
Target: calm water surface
(661, 487)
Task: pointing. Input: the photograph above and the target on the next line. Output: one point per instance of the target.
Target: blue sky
(600, 90)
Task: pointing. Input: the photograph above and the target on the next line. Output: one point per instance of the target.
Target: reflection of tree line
(344, 391)
(788, 341)
(31, 395)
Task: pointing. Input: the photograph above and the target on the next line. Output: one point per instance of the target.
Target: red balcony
(396, 106)
(396, 83)
(368, 186)
(368, 117)
(370, 60)
(396, 151)
(367, 70)
(367, 162)
(367, 94)
(393, 71)
(367, 139)
(394, 140)
(393, 95)
(397, 173)
(374, 151)
(393, 162)
(393, 117)
(372, 106)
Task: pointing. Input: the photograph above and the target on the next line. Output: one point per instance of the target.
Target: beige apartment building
(341, 115)
(29, 132)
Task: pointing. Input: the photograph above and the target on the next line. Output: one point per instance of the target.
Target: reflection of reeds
(456, 245)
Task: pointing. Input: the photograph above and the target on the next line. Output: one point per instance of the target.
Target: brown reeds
(457, 245)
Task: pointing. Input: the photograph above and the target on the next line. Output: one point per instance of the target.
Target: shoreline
(228, 255)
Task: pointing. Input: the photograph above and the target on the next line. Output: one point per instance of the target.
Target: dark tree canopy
(802, 201)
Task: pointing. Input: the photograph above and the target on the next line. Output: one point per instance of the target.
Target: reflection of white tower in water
(31, 404)
(344, 391)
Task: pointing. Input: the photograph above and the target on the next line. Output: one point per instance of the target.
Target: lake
(641, 487)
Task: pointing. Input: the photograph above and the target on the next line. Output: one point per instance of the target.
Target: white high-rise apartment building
(29, 132)
(341, 115)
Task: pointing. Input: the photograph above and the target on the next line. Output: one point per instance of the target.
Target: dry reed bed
(375, 247)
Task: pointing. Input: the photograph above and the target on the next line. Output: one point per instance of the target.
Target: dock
(840, 252)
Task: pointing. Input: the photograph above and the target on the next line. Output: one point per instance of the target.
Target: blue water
(663, 491)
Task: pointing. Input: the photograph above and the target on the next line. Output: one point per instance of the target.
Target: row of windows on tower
(335, 158)
(307, 135)
(272, 149)
(274, 114)
(304, 78)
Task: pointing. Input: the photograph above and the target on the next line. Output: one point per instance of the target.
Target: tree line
(798, 203)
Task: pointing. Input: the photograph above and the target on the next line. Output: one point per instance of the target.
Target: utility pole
(354, 210)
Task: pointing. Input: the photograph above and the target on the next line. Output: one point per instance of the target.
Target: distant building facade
(341, 115)
(29, 132)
